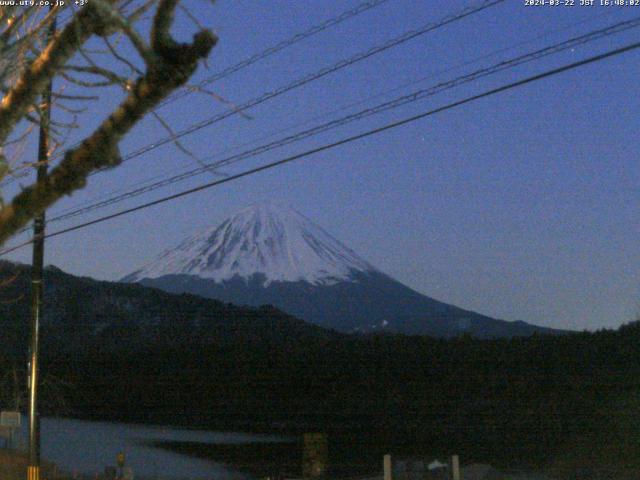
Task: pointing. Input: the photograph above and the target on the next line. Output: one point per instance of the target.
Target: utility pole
(33, 470)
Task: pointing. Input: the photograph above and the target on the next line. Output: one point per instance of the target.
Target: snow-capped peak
(275, 241)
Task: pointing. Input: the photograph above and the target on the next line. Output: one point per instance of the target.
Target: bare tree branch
(169, 65)
(35, 78)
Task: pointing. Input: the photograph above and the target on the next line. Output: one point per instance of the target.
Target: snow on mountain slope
(275, 241)
(269, 255)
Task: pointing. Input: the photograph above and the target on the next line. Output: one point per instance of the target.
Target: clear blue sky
(519, 206)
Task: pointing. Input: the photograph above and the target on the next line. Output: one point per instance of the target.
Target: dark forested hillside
(133, 353)
(81, 313)
(537, 401)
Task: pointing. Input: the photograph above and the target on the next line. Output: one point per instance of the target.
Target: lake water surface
(88, 446)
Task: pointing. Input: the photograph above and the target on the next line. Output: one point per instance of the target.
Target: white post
(455, 467)
(388, 475)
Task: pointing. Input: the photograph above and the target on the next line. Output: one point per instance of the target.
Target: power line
(344, 141)
(276, 48)
(385, 106)
(298, 37)
(177, 174)
(405, 37)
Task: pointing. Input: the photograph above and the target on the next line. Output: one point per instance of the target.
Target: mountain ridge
(276, 241)
(82, 313)
(268, 254)
(394, 308)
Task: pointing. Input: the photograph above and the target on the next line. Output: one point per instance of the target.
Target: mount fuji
(268, 254)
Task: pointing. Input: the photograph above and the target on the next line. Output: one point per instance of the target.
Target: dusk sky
(521, 206)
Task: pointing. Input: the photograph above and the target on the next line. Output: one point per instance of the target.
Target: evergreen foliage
(569, 403)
